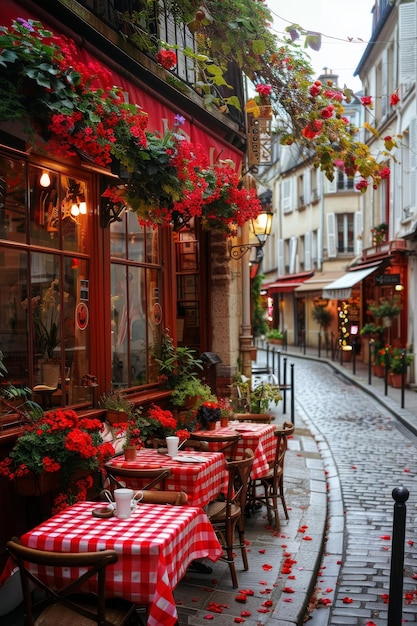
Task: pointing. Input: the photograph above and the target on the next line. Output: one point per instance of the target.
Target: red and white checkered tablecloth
(155, 546)
(258, 437)
(202, 481)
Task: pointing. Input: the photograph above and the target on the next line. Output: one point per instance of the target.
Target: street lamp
(261, 228)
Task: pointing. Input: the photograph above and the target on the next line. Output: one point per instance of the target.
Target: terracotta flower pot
(224, 421)
(130, 453)
(116, 417)
(379, 371)
(396, 380)
(212, 426)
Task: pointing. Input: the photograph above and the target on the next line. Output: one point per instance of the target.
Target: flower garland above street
(68, 112)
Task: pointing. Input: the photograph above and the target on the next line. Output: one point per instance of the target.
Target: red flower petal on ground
(241, 598)
(262, 551)
(370, 624)
(347, 600)
(288, 600)
(238, 620)
(263, 610)
(208, 617)
(326, 601)
(246, 614)
(410, 542)
(288, 590)
(385, 537)
(329, 590)
(307, 538)
(267, 567)
(263, 582)
(247, 592)
(354, 467)
(291, 577)
(406, 469)
(267, 603)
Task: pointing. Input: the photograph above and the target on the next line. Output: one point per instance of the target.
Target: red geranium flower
(167, 58)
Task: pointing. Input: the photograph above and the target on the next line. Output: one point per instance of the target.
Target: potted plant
(208, 414)
(379, 233)
(258, 399)
(118, 408)
(226, 411)
(381, 359)
(399, 361)
(17, 399)
(177, 364)
(54, 452)
(160, 423)
(385, 309)
(275, 336)
(374, 331)
(190, 393)
(132, 435)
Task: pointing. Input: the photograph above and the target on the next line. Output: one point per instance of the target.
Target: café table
(258, 437)
(202, 479)
(155, 545)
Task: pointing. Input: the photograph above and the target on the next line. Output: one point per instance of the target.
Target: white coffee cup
(172, 445)
(123, 498)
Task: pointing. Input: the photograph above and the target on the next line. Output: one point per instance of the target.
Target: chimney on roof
(329, 77)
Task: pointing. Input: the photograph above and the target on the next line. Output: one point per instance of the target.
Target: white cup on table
(172, 445)
(123, 499)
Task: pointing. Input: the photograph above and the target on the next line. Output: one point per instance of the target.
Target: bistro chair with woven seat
(228, 516)
(220, 443)
(63, 604)
(120, 477)
(255, 418)
(271, 484)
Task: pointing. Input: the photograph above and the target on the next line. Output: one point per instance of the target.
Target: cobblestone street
(371, 453)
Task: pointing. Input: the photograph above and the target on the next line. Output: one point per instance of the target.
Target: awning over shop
(318, 282)
(342, 287)
(287, 283)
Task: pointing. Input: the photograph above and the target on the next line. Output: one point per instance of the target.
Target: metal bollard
(284, 406)
(279, 368)
(371, 345)
(292, 392)
(400, 495)
(354, 356)
(403, 373)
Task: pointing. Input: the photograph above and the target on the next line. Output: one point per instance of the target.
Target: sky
(338, 21)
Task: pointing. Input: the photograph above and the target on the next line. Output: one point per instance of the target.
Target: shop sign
(387, 279)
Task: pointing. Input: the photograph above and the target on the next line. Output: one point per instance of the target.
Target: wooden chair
(224, 443)
(142, 478)
(228, 516)
(177, 498)
(256, 418)
(67, 606)
(272, 482)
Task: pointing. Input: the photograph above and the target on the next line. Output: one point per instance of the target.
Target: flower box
(116, 417)
(37, 484)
